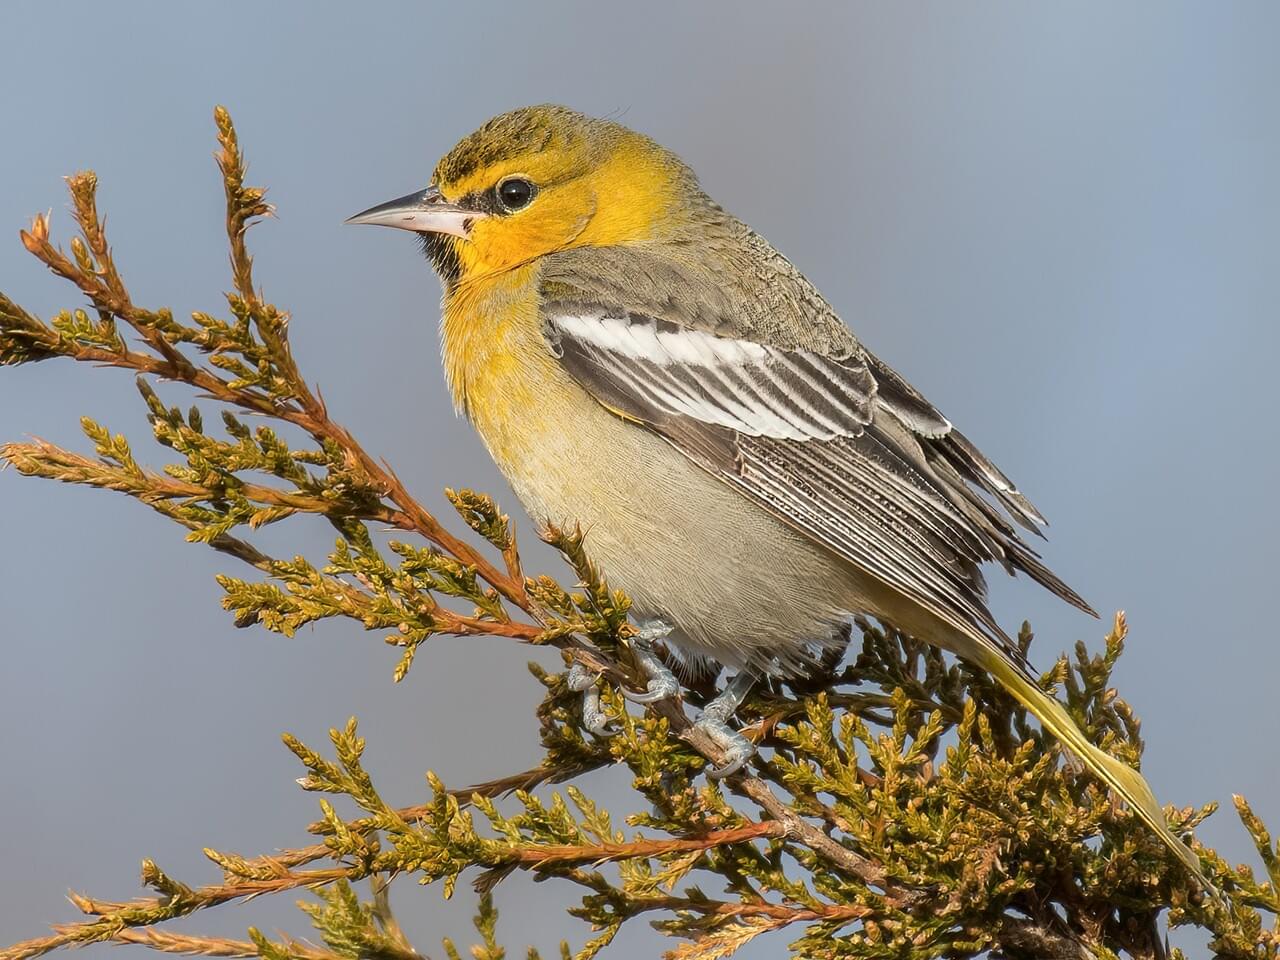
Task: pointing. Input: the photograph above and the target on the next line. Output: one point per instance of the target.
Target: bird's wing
(843, 450)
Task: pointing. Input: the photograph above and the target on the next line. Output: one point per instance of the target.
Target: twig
(166, 942)
(541, 855)
(114, 917)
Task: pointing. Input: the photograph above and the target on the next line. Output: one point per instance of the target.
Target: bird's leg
(582, 680)
(662, 682)
(715, 723)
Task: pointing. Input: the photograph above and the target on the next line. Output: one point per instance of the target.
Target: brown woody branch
(541, 855)
(775, 911)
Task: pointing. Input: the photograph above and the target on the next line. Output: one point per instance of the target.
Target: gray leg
(715, 723)
(662, 682)
(582, 681)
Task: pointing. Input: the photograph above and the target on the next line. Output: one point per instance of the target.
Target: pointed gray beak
(422, 212)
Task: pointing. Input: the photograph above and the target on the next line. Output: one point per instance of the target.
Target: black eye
(514, 193)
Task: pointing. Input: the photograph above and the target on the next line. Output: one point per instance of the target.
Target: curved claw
(659, 688)
(662, 683)
(735, 760)
(737, 748)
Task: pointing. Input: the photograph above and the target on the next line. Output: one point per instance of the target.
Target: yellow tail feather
(1126, 782)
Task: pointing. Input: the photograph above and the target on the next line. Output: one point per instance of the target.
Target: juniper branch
(163, 941)
(284, 394)
(904, 805)
(112, 918)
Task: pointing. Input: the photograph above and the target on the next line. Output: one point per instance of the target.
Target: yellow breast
(502, 375)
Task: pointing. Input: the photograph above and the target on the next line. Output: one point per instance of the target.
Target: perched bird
(638, 360)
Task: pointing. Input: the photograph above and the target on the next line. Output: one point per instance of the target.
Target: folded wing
(843, 450)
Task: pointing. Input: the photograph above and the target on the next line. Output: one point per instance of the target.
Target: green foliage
(902, 805)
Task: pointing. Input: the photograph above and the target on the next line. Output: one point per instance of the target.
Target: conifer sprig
(902, 805)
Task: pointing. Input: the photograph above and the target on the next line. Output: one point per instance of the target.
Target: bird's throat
(496, 359)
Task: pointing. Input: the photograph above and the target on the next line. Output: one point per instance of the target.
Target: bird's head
(535, 181)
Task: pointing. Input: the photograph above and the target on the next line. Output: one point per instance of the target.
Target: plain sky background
(1060, 224)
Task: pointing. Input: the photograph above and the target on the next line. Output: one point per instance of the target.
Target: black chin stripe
(442, 251)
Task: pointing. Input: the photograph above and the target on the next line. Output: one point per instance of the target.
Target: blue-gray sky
(1060, 223)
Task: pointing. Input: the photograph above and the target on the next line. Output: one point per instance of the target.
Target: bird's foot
(714, 722)
(581, 680)
(661, 682)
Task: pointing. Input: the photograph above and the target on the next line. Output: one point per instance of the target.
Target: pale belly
(737, 585)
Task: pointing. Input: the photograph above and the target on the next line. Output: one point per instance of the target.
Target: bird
(639, 361)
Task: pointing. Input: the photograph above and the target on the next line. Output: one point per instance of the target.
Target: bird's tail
(1123, 780)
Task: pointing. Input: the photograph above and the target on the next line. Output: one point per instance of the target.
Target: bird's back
(714, 274)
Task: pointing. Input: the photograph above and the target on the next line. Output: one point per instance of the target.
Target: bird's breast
(524, 406)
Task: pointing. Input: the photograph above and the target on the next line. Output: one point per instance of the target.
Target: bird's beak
(422, 212)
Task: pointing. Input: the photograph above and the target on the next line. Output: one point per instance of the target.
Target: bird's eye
(514, 193)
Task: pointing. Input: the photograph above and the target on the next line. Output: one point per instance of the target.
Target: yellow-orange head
(538, 180)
